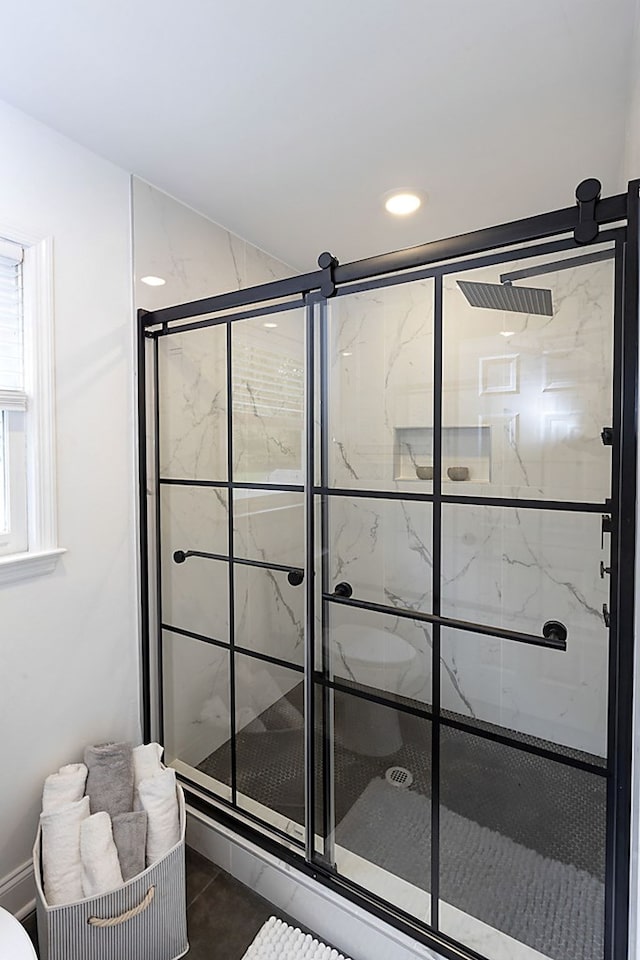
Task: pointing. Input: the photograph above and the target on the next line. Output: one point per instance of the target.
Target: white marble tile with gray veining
(268, 398)
(380, 345)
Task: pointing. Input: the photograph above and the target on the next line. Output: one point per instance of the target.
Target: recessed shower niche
(466, 452)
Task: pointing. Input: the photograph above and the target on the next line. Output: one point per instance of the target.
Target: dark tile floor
(223, 916)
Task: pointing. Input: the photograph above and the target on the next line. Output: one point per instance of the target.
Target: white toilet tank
(14, 939)
(381, 660)
(377, 658)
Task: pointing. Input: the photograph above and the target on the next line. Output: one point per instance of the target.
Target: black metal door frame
(498, 244)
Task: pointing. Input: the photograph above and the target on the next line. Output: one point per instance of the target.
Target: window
(28, 544)
(13, 404)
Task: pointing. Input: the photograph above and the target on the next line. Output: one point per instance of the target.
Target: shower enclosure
(388, 550)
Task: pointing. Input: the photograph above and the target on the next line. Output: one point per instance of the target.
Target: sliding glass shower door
(231, 517)
(465, 578)
(388, 515)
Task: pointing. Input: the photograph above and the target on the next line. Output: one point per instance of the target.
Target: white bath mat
(276, 940)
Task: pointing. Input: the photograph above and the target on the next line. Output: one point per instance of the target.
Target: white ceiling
(287, 120)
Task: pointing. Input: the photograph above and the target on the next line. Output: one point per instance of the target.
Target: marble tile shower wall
(524, 400)
(197, 258)
(542, 385)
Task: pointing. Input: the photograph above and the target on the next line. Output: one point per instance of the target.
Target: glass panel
(193, 518)
(383, 801)
(268, 398)
(194, 596)
(196, 711)
(388, 655)
(269, 526)
(380, 403)
(526, 395)
(195, 593)
(193, 404)
(554, 696)
(517, 569)
(270, 742)
(522, 843)
(269, 613)
(383, 549)
(4, 506)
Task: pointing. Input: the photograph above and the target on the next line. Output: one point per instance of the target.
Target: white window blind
(267, 384)
(12, 393)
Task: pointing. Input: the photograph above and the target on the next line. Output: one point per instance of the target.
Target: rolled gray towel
(110, 778)
(130, 837)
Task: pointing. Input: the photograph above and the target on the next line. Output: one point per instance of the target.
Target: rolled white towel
(146, 761)
(159, 798)
(61, 866)
(66, 786)
(98, 856)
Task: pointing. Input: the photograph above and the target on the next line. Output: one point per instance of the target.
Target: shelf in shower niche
(468, 447)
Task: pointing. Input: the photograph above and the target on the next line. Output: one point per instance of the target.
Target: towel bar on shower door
(295, 575)
(554, 633)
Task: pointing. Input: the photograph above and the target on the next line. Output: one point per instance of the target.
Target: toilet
(378, 659)
(14, 939)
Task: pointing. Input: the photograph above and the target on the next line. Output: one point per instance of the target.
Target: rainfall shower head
(504, 296)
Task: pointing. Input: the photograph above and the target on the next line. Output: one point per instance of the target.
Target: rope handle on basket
(127, 915)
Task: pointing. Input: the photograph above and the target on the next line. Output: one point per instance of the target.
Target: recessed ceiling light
(507, 333)
(152, 281)
(270, 326)
(347, 353)
(402, 203)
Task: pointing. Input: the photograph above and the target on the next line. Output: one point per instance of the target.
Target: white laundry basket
(146, 919)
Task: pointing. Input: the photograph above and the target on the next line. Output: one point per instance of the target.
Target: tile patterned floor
(552, 808)
(223, 916)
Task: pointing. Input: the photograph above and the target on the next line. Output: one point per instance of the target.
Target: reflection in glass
(195, 596)
(380, 386)
(193, 518)
(268, 398)
(383, 549)
(269, 526)
(193, 404)
(269, 613)
(196, 709)
(539, 383)
(270, 741)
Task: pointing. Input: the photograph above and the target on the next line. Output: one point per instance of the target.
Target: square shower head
(504, 296)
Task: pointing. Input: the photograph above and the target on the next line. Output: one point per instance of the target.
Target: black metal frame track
(609, 210)
(525, 239)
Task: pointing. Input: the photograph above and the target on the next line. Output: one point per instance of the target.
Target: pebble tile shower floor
(554, 809)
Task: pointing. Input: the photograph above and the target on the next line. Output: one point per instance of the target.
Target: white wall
(69, 640)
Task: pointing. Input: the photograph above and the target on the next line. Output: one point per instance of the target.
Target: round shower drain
(399, 776)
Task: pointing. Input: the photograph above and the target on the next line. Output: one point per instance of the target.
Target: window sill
(25, 566)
